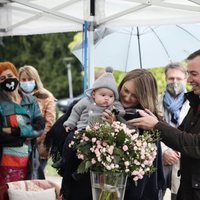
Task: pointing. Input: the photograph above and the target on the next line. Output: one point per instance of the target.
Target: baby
(103, 95)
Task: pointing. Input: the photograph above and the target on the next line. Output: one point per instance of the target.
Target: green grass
(49, 170)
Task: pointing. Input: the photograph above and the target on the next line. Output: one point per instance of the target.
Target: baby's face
(103, 96)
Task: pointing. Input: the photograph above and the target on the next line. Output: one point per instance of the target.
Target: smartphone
(134, 113)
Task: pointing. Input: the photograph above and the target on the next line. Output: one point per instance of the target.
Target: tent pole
(91, 45)
(85, 56)
(91, 55)
(139, 48)
(92, 7)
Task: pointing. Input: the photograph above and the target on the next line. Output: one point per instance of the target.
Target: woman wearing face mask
(20, 120)
(31, 84)
(138, 90)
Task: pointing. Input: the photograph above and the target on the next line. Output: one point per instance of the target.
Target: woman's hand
(6, 130)
(147, 121)
(108, 116)
(41, 138)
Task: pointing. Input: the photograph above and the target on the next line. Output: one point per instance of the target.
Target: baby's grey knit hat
(106, 80)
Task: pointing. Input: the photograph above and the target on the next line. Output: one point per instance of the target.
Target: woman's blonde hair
(146, 89)
(33, 73)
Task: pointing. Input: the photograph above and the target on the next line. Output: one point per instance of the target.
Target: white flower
(112, 166)
(97, 152)
(103, 150)
(80, 156)
(125, 148)
(139, 143)
(127, 170)
(94, 140)
(71, 144)
(110, 149)
(116, 166)
(126, 163)
(135, 148)
(108, 158)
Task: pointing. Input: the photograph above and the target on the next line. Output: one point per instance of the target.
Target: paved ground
(57, 179)
(167, 195)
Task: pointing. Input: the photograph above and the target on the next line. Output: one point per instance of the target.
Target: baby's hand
(108, 116)
(67, 129)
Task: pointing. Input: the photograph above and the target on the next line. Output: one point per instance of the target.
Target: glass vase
(108, 186)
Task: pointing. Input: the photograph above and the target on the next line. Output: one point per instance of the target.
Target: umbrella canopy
(147, 47)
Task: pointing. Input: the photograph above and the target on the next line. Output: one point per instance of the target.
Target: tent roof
(26, 17)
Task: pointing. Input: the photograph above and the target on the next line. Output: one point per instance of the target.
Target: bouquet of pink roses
(114, 148)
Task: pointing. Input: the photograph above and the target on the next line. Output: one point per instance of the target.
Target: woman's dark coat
(73, 186)
(76, 187)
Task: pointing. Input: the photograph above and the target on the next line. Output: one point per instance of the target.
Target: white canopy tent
(26, 17)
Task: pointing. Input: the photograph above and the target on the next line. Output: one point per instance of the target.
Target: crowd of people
(28, 124)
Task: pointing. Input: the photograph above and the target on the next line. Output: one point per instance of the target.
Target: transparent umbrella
(142, 47)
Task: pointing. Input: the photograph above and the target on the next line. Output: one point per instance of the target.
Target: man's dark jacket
(186, 140)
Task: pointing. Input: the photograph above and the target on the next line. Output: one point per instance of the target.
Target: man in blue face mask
(174, 107)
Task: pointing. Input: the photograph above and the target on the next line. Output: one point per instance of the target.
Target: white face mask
(175, 88)
(28, 86)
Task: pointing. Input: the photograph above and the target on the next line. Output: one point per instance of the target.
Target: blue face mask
(28, 86)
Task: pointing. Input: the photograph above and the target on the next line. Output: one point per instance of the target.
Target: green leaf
(120, 138)
(81, 168)
(88, 165)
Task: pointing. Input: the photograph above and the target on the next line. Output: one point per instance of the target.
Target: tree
(45, 52)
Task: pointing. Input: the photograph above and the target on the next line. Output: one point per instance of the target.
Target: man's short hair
(194, 55)
(177, 66)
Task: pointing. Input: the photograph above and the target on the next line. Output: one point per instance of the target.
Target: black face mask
(10, 84)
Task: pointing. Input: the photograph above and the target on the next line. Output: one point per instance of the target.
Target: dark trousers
(168, 174)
